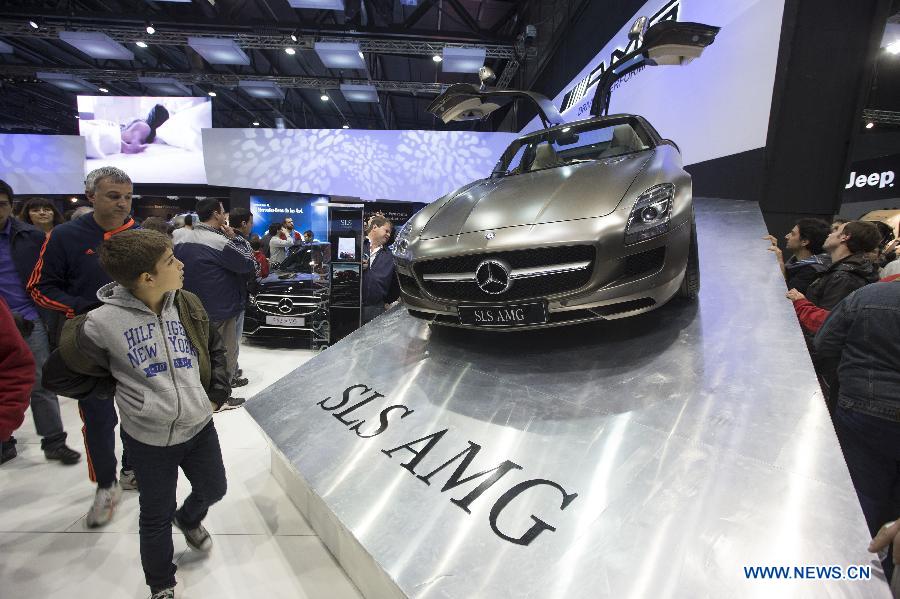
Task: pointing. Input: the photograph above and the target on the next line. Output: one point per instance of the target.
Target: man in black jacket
(379, 281)
(20, 245)
(804, 241)
(850, 269)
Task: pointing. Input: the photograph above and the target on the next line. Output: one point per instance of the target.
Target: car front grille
(540, 285)
(287, 305)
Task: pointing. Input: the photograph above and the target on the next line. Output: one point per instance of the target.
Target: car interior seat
(624, 140)
(545, 157)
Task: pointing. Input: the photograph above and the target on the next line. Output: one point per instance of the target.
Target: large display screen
(42, 164)
(154, 140)
(309, 212)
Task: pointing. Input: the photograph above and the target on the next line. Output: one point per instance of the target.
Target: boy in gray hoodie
(151, 342)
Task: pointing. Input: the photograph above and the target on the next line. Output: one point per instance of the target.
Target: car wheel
(690, 286)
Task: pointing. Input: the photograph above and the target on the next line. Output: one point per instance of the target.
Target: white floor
(263, 547)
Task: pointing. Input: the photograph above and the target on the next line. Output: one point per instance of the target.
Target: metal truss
(224, 79)
(273, 41)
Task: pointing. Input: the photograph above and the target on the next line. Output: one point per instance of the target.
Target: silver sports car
(579, 221)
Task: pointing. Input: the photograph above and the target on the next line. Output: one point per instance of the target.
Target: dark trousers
(872, 450)
(99, 430)
(156, 469)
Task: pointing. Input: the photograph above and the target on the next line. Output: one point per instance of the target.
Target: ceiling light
(266, 90)
(290, 51)
(5, 48)
(870, 125)
(359, 93)
(103, 89)
(77, 117)
(437, 58)
(140, 44)
(294, 37)
(73, 199)
(67, 82)
(893, 47)
(463, 60)
(318, 4)
(96, 45)
(566, 129)
(346, 126)
(361, 55)
(211, 94)
(219, 50)
(324, 97)
(34, 25)
(165, 86)
(340, 55)
(150, 29)
(256, 123)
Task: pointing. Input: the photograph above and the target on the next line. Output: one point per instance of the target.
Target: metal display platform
(653, 456)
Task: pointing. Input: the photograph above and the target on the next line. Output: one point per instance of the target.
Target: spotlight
(346, 126)
(294, 37)
(361, 55)
(324, 97)
(869, 125)
(103, 89)
(290, 51)
(256, 123)
(211, 94)
(437, 58)
(893, 47)
(34, 24)
(150, 29)
(73, 199)
(140, 44)
(77, 117)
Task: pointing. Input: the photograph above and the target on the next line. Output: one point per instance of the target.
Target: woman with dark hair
(41, 213)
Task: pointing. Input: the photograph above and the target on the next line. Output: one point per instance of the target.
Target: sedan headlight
(651, 214)
(400, 249)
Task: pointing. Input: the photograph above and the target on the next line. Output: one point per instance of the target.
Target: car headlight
(651, 214)
(400, 249)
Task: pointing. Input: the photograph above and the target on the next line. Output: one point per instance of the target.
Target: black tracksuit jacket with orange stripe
(68, 274)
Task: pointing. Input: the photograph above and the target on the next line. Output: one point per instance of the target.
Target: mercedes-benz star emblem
(285, 305)
(492, 277)
(489, 235)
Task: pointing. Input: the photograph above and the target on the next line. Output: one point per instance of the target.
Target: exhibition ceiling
(369, 64)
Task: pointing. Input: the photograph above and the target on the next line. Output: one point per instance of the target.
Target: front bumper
(624, 280)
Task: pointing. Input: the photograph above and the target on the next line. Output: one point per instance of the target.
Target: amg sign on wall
(716, 106)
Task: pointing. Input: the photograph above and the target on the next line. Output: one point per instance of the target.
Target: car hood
(583, 190)
(292, 281)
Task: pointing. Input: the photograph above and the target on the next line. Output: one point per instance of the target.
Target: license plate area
(513, 315)
(286, 321)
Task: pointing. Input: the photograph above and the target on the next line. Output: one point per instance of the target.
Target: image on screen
(347, 248)
(154, 140)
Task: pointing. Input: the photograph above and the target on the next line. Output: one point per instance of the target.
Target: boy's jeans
(156, 469)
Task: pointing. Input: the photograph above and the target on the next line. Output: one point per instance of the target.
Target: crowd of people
(844, 282)
(147, 318)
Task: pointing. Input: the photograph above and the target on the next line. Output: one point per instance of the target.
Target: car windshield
(571, 145)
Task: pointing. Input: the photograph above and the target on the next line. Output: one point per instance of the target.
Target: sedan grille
(534, 273)
(287, 305)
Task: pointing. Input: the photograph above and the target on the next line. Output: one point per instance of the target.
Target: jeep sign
(871, 180)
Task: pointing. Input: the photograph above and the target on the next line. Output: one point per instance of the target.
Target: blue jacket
(25, 243)
(379, 280)
(864, 330)
(215, 269)
(68, 274)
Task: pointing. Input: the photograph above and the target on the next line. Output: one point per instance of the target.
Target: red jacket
(263, 263)
(16, 374)
(812, 317)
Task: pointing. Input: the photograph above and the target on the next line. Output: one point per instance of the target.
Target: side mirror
(486, 75)
(638, 28)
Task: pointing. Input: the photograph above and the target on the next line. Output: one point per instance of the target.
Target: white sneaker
(104, 506)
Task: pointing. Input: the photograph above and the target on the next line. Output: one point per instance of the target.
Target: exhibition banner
(715, 106)
(309, 212)
(417, 166)
(42, 164)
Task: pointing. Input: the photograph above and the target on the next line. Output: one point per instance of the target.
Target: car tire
(690, 286)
